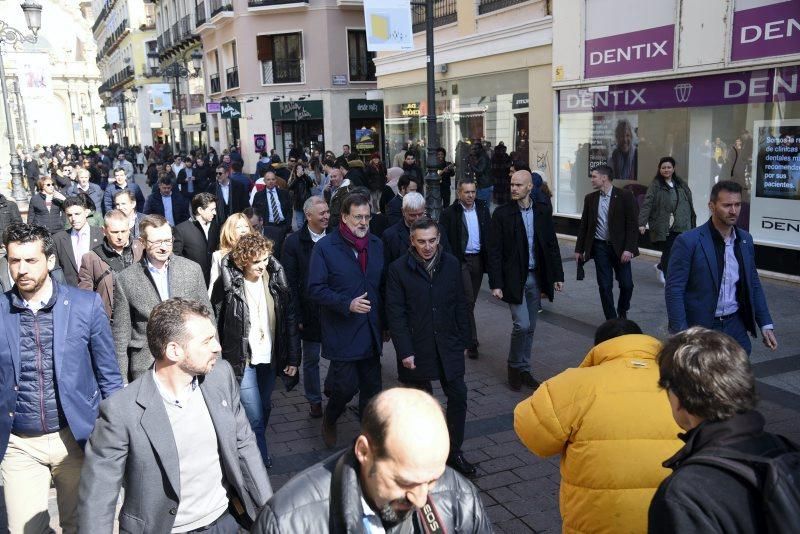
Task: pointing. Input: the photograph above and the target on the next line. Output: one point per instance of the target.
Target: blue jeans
(299, 219)
(485, 194)
(311, 352)
(607, 264)
(256, 396)
(735, 328)
(524, 316)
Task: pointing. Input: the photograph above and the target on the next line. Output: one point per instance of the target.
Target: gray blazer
(135, 296)
(133, 444)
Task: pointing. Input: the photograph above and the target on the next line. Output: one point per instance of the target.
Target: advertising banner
(765, 28)
(614, 144)
(647, 45)
(213, 107)
(775, 202)
(160, 97)
(260, 142)
(388, 24)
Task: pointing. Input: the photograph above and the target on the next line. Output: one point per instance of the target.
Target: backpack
(776, 479)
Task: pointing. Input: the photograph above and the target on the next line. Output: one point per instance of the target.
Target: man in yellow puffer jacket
(613, 427)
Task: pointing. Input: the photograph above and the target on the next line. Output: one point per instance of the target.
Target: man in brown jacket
(115, 253)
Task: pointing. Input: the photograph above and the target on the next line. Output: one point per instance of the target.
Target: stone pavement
(520, 491)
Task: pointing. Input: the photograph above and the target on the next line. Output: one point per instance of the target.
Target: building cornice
(510, 39)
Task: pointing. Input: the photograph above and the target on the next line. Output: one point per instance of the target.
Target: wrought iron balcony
(282, 71)
(487, 6)
(215, 83)
(232, 77)
(444, 12)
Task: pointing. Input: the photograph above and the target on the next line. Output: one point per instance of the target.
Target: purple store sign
(754, 87)
(766, 31)
(641, 51)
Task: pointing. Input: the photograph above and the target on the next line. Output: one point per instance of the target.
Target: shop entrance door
(308, 134)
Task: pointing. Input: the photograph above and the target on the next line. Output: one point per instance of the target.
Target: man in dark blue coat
(119, 183)
(424, 295)
(345, 280)
(57, 361)
(295, 258)
(715, 283)
(396, 239)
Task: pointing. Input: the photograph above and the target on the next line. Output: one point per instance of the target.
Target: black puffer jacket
(53, 219)
(233, 317)
(305, 503)
(9, 213)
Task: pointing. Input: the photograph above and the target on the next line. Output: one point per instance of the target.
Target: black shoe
(514, 379)
(472, 354)
(328, 432)
(460, 464)
(528, 380)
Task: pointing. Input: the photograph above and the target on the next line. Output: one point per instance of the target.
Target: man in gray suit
(159, 276)
(177, 438)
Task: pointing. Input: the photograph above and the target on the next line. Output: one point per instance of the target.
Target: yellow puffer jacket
(613, 427)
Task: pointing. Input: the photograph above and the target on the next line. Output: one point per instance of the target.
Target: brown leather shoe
(514, 379)
(315, 410)
(328, 432)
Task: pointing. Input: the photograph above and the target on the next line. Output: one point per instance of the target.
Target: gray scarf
(429, 265)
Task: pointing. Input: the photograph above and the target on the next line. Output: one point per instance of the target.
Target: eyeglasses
(220, 173)
(161, 242)
(361, 218)
(47, 185)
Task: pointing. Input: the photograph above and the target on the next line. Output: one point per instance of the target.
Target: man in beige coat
(115, 253)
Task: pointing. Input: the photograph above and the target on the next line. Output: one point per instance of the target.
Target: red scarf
(360, 244)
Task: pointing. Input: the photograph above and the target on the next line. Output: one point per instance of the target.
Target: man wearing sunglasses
(232, 197)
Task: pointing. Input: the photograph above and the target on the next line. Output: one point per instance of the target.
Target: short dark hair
(520, 165)
(423, 223)
(404, 180)
(467, 181)
(441, 150)
(73, 201)
(167, 323)
(604, 170)
(410, 153)
(237, 166)
(725, 185)
(130, 194)
(615, 328)
(353, 201)
(202, 200)
(709, 373)
(375, 426)
(28, 233)
(120, 169)
(165, 180)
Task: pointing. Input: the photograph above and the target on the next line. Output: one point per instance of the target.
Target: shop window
(362, 68)
(281, 58)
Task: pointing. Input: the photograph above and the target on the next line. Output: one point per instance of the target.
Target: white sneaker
(660, 274)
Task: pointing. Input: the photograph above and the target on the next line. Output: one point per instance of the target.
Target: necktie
(276, 218)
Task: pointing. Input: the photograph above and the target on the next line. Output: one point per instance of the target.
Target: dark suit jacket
(623, 217)
(133, 444)
(394, 209)
(180, 207)
(261, 206)
(191, 243)
(83, 353)
(693, 282)
(65, 255)
(238, 199)
(397, 238)
(455, 227)
(295, 258)
(508, 251)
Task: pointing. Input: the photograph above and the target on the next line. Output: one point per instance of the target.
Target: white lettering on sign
(231, 111)
(776, 29)
(759, 86)
(619, 97)
(628, 53)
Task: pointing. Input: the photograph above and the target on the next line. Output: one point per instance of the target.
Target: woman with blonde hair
(236, 226)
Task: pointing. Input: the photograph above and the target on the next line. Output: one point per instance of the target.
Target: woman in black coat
(257, 328)
(45, 206)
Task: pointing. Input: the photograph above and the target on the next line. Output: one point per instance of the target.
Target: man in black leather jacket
(386, 480)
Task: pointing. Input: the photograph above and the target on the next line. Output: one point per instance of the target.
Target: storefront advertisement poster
(751, 87)
(775, 210)
(213, 107)
(765, 28)
(614, 144)
(640, 51)
(260, 142)
(388, 24)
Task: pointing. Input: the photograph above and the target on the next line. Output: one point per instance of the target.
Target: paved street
(519, 490)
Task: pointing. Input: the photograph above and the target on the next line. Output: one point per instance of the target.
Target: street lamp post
(121, 99)
(177, 70)
(11, 36)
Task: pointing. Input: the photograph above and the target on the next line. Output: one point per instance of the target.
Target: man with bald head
(393, 479)
(524, 264)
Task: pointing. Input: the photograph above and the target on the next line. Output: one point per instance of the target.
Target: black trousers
(346, 378)
(472, 276)
(666, 247)
(456, 414)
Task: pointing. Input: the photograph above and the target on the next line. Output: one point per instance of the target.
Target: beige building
(493, 81)
(290, 72)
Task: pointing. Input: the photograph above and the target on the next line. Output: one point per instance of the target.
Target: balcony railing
(215, 85)
(113, 40)
(232, 77)
(218, 6)
(176, 33)
(117, 79)
(200, 13)
(263, 3)
(444, 12)
(186, 27)
(282, 71)
(167, 39)
(487, 6)
(362, 69)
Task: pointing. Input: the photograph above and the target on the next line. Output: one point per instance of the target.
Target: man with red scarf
(345, 279)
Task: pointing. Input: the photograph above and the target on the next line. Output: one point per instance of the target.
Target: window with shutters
(362, 69)
(281, 58)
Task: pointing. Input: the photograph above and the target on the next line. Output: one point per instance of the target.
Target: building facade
(286, 75)
(124, 31)
(493, 82)
(712, 84)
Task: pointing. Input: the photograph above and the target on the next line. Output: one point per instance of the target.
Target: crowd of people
(183, 308)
